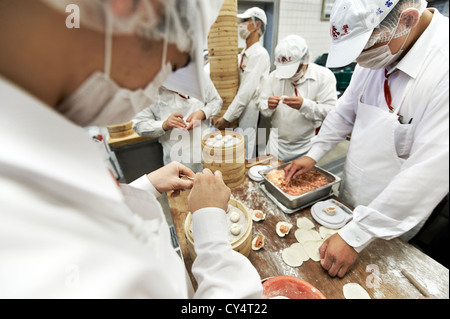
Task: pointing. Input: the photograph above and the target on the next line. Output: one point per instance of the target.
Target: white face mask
(100, 101)
(379, 58)
(243, 30)
(382, 56)
(297, 76)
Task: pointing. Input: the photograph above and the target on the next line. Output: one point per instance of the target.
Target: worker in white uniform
(396, 108)
(180, 122)
(297, 97)
(254, 66)
(68, 229)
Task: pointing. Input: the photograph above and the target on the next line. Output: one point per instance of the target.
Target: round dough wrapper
(312, 249)
(300, 250)
(355, 291)
(304, 236)
(304, 223)
(292, 257)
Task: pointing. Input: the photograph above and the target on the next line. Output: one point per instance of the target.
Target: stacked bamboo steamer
(121, 130)
(229, 160)
(223, 51)
(241, 243)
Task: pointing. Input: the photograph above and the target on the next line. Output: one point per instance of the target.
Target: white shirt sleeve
(214, 101)
(326, 98)
(266, 92)
(220, 271)
(146, 123)
(251, 81)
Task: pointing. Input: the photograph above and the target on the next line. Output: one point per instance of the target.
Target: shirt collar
(251, 50)
(413, 61)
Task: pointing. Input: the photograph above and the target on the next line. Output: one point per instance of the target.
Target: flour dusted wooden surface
(378, 268)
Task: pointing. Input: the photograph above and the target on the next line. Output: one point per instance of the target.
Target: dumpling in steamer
(235, 229)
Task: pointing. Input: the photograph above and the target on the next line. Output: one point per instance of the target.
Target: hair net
(262, 29)
(390, 27)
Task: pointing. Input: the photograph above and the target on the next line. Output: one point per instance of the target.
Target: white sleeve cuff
(355, 236)
(307, 107)
(209, 225)
(143, 183)
(316, 153)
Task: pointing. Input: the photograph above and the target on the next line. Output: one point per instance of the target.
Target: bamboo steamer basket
(242, 244)
(224, 77)
(121, 130)
(223, 55)
(229, 160)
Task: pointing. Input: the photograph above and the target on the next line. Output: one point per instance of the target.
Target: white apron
(292, 138)
(372, 159)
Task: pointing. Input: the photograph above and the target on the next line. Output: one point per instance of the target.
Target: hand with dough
(209, 191)
(168, 178)
(295, 102)
(336, 256)
(273, 102)
(195, 119)
(221, 124)
(175, 120)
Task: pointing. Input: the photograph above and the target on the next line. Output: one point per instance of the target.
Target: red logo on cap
(284, 60)
(336, 34)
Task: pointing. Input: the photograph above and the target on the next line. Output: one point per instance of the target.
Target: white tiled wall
(302, 17)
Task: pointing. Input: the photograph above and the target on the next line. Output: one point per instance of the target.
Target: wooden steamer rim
(243, 244)
(121, 130)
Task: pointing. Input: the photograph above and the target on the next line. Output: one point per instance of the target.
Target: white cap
(254, 12)
(351, 25)
(289, 54)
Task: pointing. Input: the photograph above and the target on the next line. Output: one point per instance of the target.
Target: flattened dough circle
(355, 291)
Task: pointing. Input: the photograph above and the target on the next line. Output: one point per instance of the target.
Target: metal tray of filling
(293, 202)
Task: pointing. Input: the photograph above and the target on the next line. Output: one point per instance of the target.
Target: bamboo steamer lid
(220, 65)
(222, 32)
(228, 84)
(228, 92)
(222, 51)
(242, 243)
(223, 78)
(226, 17)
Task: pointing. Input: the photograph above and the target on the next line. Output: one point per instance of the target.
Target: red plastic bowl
(289, 287)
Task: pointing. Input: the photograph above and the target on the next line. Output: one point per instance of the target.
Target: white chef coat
(420, 92)
(255, 67)
(186, 145)
(69, 231)
(295, 128)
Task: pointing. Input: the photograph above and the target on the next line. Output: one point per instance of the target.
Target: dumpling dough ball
(234, 217)
(235, 229)
(218, 137)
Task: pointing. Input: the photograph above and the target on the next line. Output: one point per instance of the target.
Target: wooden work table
(378, 268)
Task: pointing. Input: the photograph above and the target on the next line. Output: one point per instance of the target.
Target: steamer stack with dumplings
(223, 51)
(225, 151)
